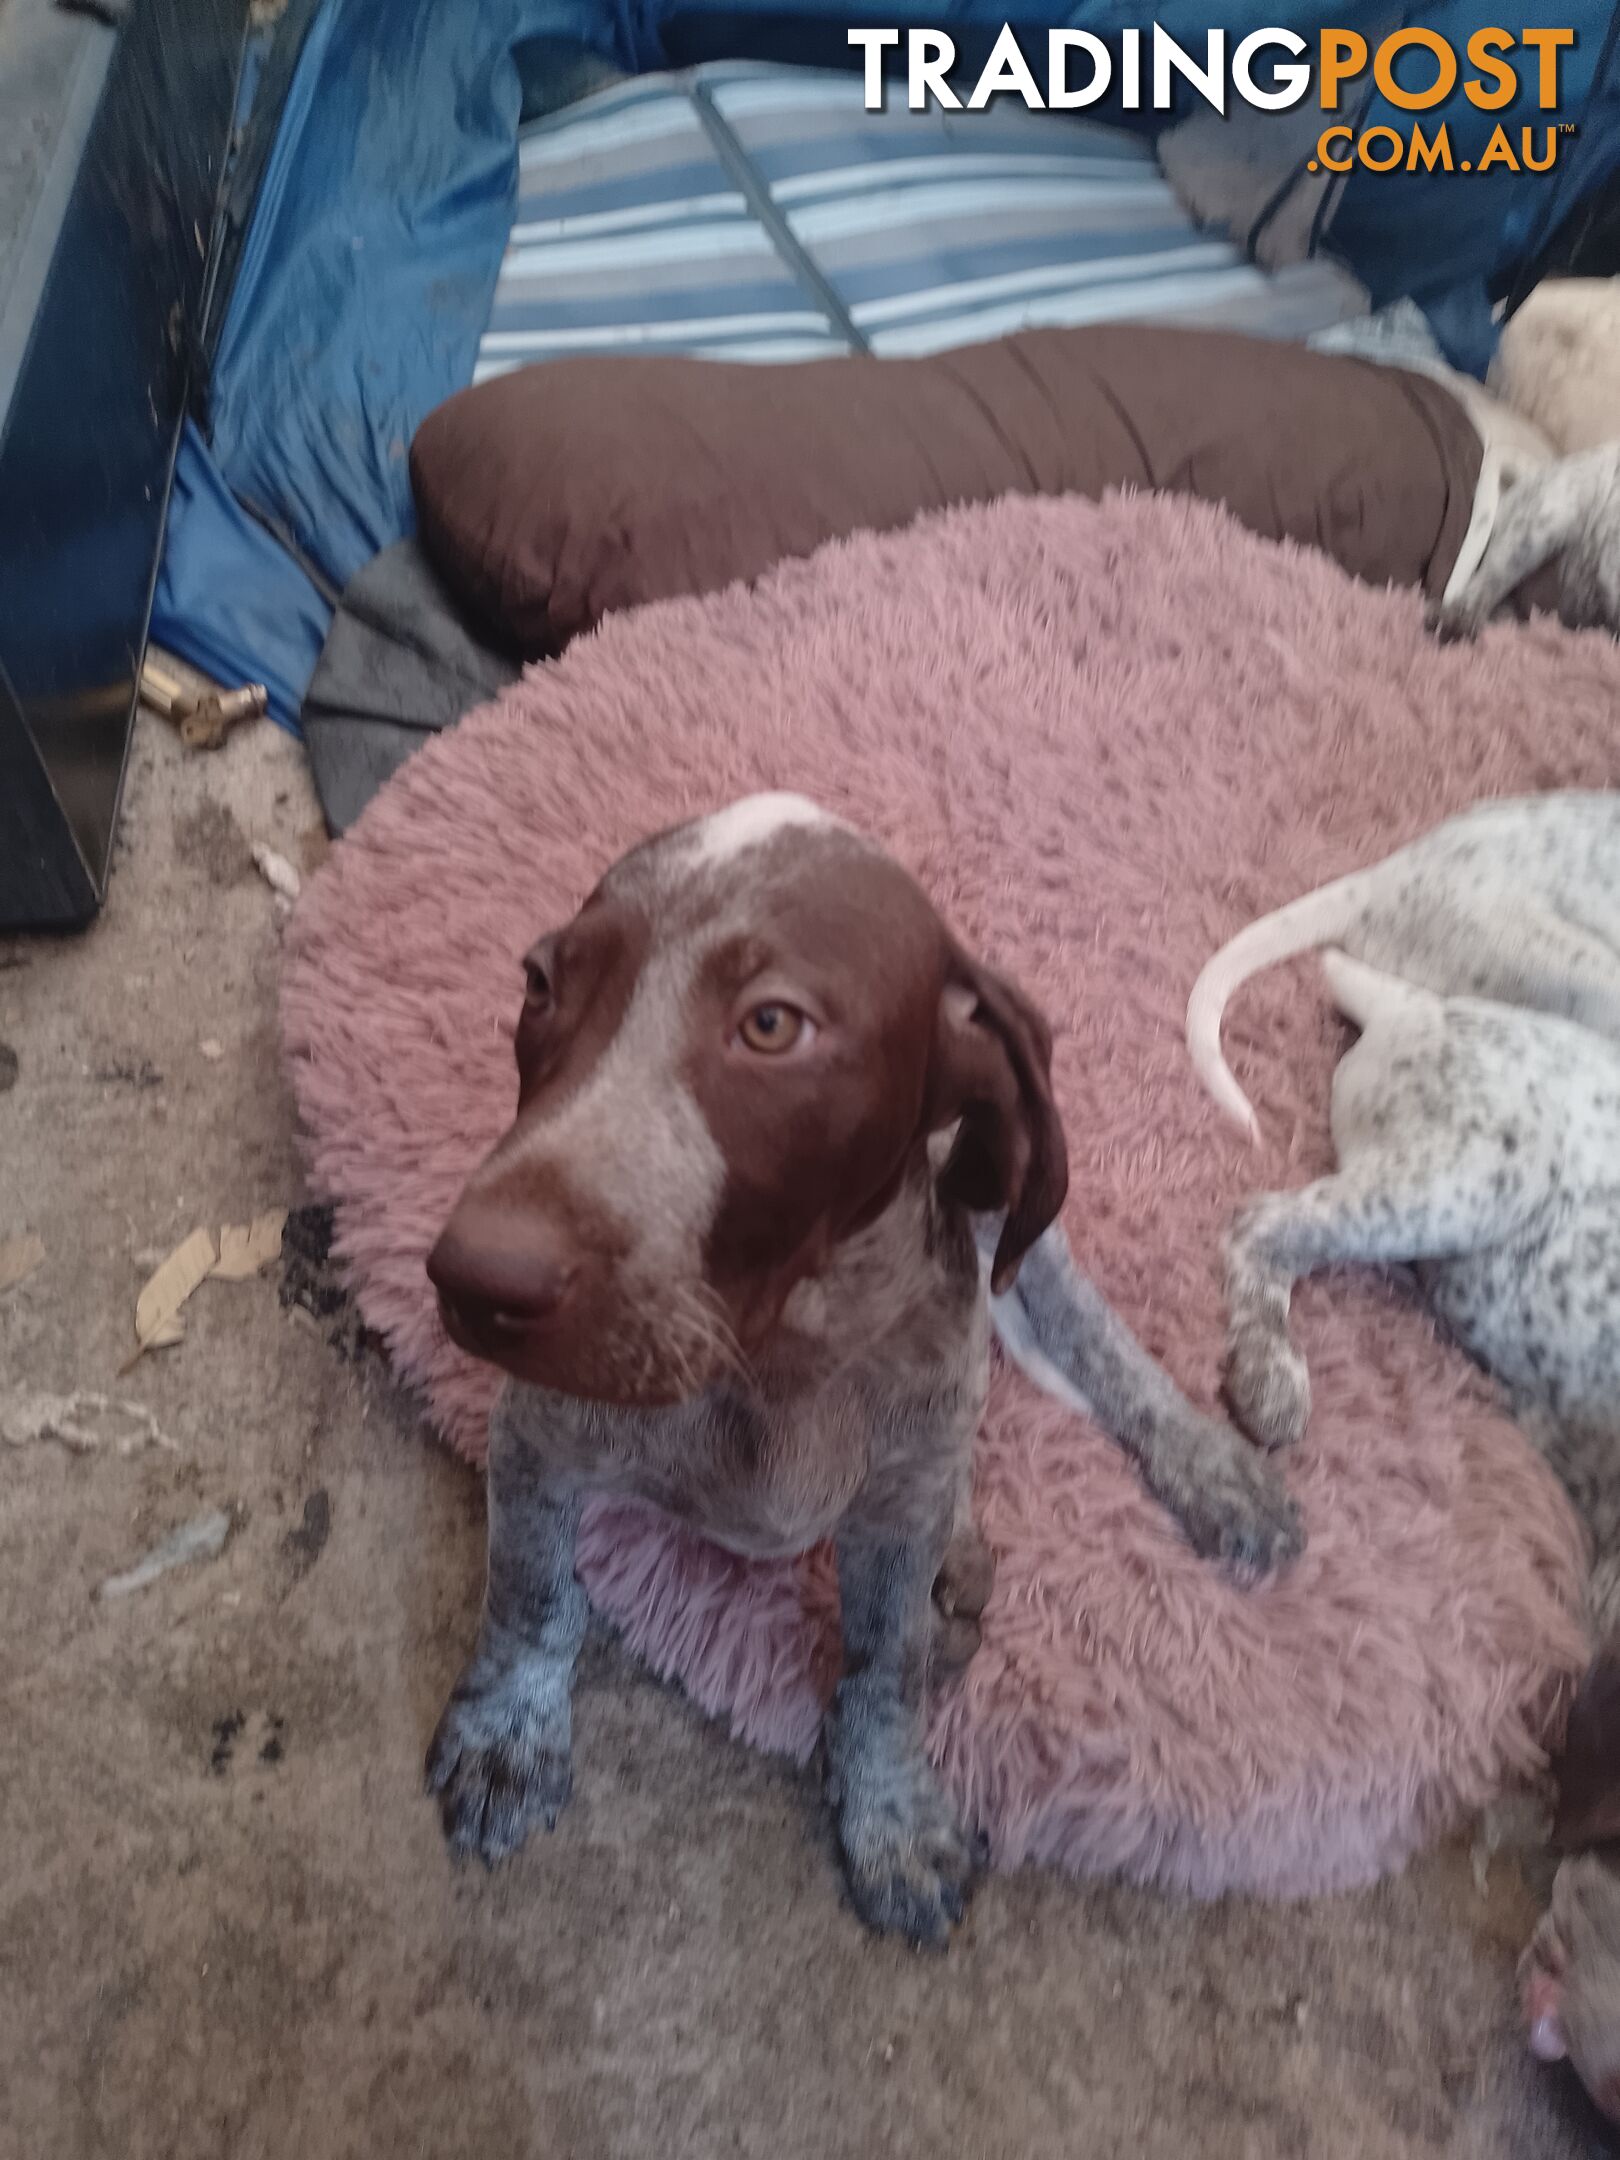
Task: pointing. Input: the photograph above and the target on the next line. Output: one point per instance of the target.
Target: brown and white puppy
(727, 1063)
(726, 1253)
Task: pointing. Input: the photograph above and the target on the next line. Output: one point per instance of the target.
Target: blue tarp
(1449, 240)
(362, 290)
(367, 273)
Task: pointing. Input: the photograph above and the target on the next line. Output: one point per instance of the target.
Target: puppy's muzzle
(507, 1278)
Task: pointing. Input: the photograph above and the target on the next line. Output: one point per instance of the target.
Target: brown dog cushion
(554, 495)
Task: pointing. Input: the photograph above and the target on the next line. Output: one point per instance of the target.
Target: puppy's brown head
(725, 1063)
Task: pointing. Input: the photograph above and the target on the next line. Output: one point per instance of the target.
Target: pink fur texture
(1104, 736)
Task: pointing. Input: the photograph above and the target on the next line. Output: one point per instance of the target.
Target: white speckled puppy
(1516, 900)
(1478, 1137)
(1482, 1144)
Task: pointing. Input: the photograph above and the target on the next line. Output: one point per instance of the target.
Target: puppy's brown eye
(771, 1029)
(537, 992)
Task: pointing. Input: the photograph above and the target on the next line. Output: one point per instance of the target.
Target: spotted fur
(1517, 900)
(1567, 513)
(1481, 1144)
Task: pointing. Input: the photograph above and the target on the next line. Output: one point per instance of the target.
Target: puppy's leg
(1443, 1150)
(1059, 1329)
(1589, 576)
(501, 1760)
(962, 1588)
(1570, 1977)
(1537, 518)
(909, 1863)
(1439, 1193)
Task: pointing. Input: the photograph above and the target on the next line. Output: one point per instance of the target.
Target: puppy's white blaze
(634, 1137)
(752, 821)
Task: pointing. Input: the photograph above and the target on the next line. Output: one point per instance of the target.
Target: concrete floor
(227, 1924)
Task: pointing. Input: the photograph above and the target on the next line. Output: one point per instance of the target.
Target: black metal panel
(89, 443)
(277, 53)
(42, 880)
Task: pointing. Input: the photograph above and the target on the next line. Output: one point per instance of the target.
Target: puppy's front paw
(909, 1863)
(1234, 1509)
(500, 1762)
(1268, 1386)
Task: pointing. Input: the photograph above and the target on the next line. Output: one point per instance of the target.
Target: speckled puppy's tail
(1318, 918)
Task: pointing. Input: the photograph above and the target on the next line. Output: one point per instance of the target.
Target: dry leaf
(242, 1251)
(19, 1256)
(157, 1309)
(245, 1248)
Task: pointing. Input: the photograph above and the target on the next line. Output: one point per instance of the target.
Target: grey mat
(399, 663)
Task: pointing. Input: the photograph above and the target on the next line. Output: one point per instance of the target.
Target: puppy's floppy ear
(1589, 1772)
(992, 1069)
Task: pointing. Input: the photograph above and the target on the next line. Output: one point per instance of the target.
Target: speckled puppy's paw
(500, 1762)
(1268, 1386)
(1234, 1509)
(1454, 622)
(909, 1863)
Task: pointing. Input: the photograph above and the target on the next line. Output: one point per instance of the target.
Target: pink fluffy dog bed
(1103, 736)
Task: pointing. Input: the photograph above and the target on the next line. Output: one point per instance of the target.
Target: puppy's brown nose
(502, 1269)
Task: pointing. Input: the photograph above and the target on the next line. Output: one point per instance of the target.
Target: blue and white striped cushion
(761, 213)
(631, 235)
(940, 229)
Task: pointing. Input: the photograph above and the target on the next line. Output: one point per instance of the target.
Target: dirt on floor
(228, 1926)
